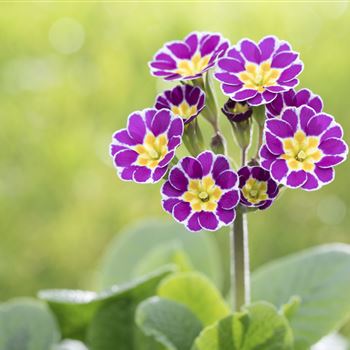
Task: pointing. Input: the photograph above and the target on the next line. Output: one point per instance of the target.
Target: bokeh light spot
(67, 35)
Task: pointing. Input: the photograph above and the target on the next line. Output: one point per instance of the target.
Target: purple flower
(190, 58)
(237, 111)
(186, 101)
(292, 98)
(258, 189)
(143, 150)
(202, 192)
(257, 72)
(302, 147)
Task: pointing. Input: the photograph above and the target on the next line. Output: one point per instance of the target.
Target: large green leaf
(258, 327)
(106, 318)
(321, 278)
(26, 324)
(171, 323)
(135, 251)
(198, 293)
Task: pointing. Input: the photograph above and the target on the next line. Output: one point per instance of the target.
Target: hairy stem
(240, 273)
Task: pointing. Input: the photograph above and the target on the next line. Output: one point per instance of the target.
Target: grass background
(70, 73)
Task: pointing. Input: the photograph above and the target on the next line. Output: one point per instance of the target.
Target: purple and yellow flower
(292, 98)
(302, 147)
(190, 58)
(237, 111)
(258, 189)
(143, 151)
(202, 192)
(257, 72)
(185, 101)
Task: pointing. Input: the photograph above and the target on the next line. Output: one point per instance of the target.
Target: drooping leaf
(321, 278)
(198, 293)
(27, 324)
(258, 327)
(130, 249)
(171, 323)
(107, 318)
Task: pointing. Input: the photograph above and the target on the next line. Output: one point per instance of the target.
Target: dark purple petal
(209, 45)
(302, 97)
(256, 100)
(272, 188)
(160, 122)
(229, 200)
(170, 191)
(333, 146)
(305, 114)
(268, 96)
(325, 175)
(230, 89)
(231, 65)
(193, 223)
(279, 128)
(176, 127)
(220, 164)
(291, 117)
(267, 47)
(226, 216)
(142, 174)
(267, 158)
(113, 149)
(192, 42)
(335, 131)
(208, 221)
(159, 173)
(244, 94)
(273, 144)
(233, 53)
(316, 103)
(283, 59)
(318, 124)
(125, 158)
(279, 169)
(127, 173)
(174, 142)
(296, 179)
(168, 204)
(180, 50)
(330, 161)
(250, 51)
(259, 173)
(123, 137)
(228, 78)
(178, 180)
(291, 72)
(206, 160)
(265, 204)
(136, 127)
(181, 211)
(227, 179)
(311, 183)
(192, 167)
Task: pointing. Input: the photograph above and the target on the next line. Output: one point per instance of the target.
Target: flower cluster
(298, 144)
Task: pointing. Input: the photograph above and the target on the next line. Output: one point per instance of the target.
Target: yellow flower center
(193, 66)
(203, 194)
(152, 151)
(258, 77)
(184, 110)
(255, 191)
(301, 151)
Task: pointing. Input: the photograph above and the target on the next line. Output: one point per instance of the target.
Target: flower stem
(240, 273)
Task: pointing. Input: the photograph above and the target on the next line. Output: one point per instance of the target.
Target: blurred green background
(71, 73)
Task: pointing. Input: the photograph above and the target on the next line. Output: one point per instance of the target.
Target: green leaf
(321, 278)
(171, 323)
(258, 327)
(106, 318)
(131, 249)
(196, 292)
(27, 324)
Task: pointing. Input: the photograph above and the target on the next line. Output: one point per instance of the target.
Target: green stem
(240, 273)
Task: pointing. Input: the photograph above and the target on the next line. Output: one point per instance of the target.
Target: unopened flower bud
(237, 111)
(218, 144)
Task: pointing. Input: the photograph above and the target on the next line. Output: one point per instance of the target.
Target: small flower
(258, 189)
(302, 147)
(185, 101)
(237, 111)
(292, 98)
(257, 72)
(190, 58)
(143, 151)
(202, 192)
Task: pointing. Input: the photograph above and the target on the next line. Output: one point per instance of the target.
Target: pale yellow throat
(203, 194)
(301, 151)
(258, 77)
(193, 66)
(184, 110)
(255, 191)
(152, 151)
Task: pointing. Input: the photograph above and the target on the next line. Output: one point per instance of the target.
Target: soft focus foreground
(76, 75)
